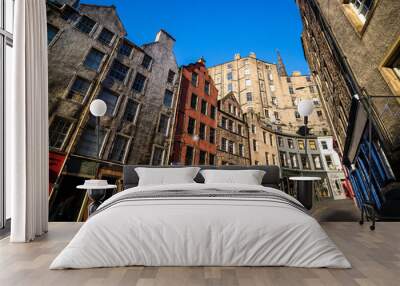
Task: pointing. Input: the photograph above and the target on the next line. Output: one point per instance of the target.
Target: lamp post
(305, 108)
(98, 108)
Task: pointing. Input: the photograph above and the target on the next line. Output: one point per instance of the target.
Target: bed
(201, 224)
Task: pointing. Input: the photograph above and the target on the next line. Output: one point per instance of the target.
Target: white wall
(330, 151)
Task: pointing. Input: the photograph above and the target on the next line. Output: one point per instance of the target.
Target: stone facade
(259, 87)
(90, 57)
(352, 53)
(196, 118)
(232, 133)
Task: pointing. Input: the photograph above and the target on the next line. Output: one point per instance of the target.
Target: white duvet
(200, 231)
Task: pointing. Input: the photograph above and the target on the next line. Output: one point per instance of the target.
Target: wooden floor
(375, 257)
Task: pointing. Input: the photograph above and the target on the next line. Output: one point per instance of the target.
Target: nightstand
(96, 190)
(305, 189)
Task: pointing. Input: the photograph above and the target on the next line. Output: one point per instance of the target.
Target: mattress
(201, 225)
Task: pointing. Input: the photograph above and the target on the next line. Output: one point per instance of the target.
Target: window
(230, 87)
(171, 76)
(118, 71)
(229, 76)
(276, 115)
(211, 159)
(131, 110)
(297, 115)
(324, 145)
(249, 97)
(266, 158)
(255, 145)
(317, 162)
(283, 159)
(223, 122)
(362, 8)
(271, 140)
(224, 144)
(203, 108)
(308, 78)
(58, 132)
(168, 97)
(248, 82)
(293, 160)
(280, 141)
(253, 129)
(266, 112)
(189, 155)
(290, 143)
(125, 49)
(110, 98)
(93, 59)
(319, 113)
(105, 37)
(194, 78)
(239, 129)
(191, 126)
(241, 150)
(213, 112)
(118, 149)
(291, 90)
(230, 108)
(163, 125)
(231, 125)
(274, 101)
(229, 66)
(202, 131)
(390, 68)
(146, 61)
(300, 143)
(193, 101)
(312, 145)
(329, 162)
(87, 144)
(265, 137)
(79, 89)
(247, 71)
(273, 159)
(85, 25)
(51, 33)
(212, 136)
(231, 147)
(316, 101)
(202, 157)
(158, 156)
(311, 89)
(256, 163)
(207, 87)
(305, 161)
(288, 79)
(294, 101)
(272, 87)
(138, 83)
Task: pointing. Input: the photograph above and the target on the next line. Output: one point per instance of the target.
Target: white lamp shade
(305, 107)
(98, 107)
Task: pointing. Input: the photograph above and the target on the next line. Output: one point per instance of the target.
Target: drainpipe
(177, 101)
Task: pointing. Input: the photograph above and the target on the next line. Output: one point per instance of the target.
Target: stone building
(262, 140)
(232, 133)
(194, 140)
(353, 50)
(268, 91)
(91, 57)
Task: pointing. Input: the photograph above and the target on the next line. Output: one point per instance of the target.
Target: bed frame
(270, 179)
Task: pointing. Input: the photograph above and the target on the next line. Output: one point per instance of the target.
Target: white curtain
(27, 124)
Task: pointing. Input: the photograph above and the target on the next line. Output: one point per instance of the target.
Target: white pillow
(248, 177)
(166, 176)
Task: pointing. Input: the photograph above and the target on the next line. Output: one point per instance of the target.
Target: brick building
(196, 117)
(91, 57)
(232, 133)
(353, 50)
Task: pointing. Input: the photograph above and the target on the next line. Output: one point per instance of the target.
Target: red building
(196, 119)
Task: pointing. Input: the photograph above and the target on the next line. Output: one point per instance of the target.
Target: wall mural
(242, 112)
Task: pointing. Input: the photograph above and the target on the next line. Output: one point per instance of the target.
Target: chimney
(202, 61)
(165, 38)
(237, 57)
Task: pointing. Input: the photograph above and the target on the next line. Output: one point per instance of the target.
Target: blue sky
(218, 29)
